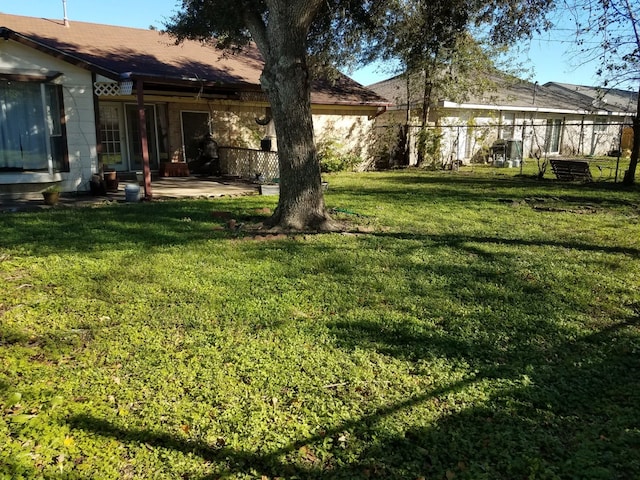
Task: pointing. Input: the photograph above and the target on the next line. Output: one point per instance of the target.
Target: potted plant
(111, 180)
(268, 188)
(51, 195)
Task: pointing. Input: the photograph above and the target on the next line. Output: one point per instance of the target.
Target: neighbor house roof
(152, 55)
(602, 98)
(509, 93)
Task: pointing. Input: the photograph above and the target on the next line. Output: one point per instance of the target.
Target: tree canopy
(608, 32)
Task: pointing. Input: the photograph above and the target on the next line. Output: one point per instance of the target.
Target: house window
(552, 136)
(32, 128)
(133, 132)
(110, 135)
(120, 146)
(600, 125)
(195, 125)
(507, 126)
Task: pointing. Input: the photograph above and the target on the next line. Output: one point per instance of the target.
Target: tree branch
(256, 26)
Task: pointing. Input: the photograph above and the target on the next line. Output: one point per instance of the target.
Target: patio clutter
(506, 153)
(173, 169)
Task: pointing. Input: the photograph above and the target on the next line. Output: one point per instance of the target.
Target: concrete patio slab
(162, 189)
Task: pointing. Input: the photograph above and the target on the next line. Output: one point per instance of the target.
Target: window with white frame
(111, 153)
(600, 125)
(552, 135)
(507, 125)
(32, 127)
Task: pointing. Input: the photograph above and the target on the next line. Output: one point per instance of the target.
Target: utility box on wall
(514, 150)
(506, 153)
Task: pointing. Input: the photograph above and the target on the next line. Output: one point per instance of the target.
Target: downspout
(562, 133)
(620, 130)
(581, 137)
(96, 115)
(148, 194)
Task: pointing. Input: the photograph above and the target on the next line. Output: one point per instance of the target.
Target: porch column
(148, 195)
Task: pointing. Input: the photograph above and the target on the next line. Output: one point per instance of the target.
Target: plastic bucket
(132, 192)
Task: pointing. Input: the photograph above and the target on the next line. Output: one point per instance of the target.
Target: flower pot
(269, 189)
(51, 198)
(111, 181)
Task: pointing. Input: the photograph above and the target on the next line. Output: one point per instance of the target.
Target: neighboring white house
(72, 97)
(545, 120)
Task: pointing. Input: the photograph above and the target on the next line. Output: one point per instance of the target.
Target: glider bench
(571, 170)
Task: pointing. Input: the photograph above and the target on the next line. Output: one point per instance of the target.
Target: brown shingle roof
(506, 91)
(113, 51)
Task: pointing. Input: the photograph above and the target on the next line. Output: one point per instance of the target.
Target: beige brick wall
(231, 125)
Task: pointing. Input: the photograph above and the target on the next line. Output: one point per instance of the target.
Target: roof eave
(158, 79)
(9, 34)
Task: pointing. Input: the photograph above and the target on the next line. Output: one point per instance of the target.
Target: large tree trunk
(630, 174)
(426, 104)
(301, 203)
(285, 80)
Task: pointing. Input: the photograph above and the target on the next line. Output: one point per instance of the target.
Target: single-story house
(529, 119)
(76, 98)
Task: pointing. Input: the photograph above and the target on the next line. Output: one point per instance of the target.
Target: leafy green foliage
(469, 335)
(608, 32)
(429, 141)
(333, 156)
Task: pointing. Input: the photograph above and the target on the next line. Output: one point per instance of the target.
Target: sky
(547, 57)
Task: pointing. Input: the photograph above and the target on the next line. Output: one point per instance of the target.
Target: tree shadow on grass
(139, 226)
(574, 417)
(471, 190)
(463, 241)
(282, 462)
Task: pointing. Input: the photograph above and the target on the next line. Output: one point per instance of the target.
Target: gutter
(187, 82)
(472, 106)
(380, 111)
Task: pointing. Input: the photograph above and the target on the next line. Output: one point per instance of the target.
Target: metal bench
(571, 170)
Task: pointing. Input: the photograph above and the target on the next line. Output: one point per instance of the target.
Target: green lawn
(482, 326)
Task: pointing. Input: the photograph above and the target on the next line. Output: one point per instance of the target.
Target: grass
(486, 328)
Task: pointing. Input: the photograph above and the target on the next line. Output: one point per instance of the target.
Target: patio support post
(148, 195)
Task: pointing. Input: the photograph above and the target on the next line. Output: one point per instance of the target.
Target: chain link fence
(445, 145)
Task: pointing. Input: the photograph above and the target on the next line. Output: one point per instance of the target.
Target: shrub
(333, 158)
(429, 145)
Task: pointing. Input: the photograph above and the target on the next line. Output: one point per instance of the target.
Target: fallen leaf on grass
(307, 454)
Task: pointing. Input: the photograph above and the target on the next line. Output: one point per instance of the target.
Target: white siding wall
(465, 132)
(78, 107)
